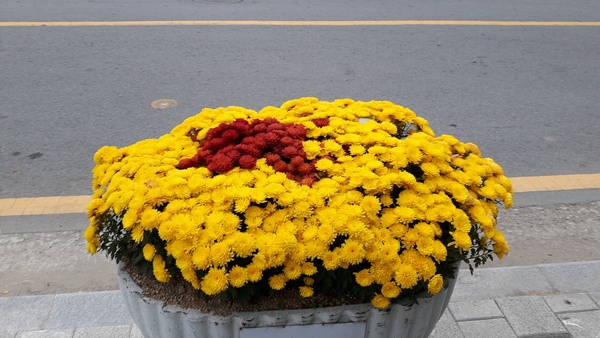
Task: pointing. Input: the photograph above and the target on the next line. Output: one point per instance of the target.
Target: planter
(361, 320)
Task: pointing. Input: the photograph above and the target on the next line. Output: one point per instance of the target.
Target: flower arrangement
(345, 196)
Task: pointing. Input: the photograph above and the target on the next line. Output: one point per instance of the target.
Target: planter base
(399, 320)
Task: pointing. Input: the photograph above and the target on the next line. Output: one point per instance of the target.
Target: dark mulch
(181, 293)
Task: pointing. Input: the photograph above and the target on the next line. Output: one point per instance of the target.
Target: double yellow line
(77, 204)
(299, 23)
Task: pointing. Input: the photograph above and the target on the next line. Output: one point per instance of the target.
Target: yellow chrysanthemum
(461, 240)
(149, 252)
(237, 276)
(90, 232)
(331, 260)
(277, 282)
(390, 290)
(312, 148)
(214, 282)
(370, 205)
(160, 272)
(357, 149)
(380, 301)
(501, 247)
(255, 272)
(363, 277)
(201, 257)
(439, 251)
(435, 284)
(405, 275)
(242, 244)
(309, 269)
(306, 291)
(220, 254)
(292, 270)
(352, 251)
(425, 245)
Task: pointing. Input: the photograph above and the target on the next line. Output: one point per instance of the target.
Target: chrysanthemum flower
(214, 282)
(277, 282)
(405, 275)
(380, 302)
(435, 284)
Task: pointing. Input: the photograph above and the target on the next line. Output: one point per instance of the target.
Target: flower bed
(359, 198)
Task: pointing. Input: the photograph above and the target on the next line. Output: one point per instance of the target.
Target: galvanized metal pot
(361, 320)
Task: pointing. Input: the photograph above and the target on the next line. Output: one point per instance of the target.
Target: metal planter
(363, 320)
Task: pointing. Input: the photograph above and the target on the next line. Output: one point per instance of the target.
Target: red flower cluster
(242, 143)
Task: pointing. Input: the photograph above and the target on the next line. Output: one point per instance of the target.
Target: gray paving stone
(120, 331)
(561, 276)
(7, 334)
(89, 309)
(446, 327)
(570, 303)
(493, 283)
(488, 328)
(65, 333)
(25, 313)
(582, 324)
(135, 332)
(595, 296)
(473, 310)
(530, 316)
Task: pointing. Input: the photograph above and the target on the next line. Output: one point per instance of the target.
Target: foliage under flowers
(346, 196)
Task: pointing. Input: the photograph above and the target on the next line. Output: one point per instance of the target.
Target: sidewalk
(551, 300)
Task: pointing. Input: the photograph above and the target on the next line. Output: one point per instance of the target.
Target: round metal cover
(163, 103)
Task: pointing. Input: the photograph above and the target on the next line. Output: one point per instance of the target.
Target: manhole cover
(164, 103)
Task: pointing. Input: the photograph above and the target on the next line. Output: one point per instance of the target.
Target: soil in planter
(181, 293)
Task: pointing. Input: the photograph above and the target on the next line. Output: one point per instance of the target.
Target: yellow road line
(298, 23)
(77, 204)
(554, 183)
(43, 205)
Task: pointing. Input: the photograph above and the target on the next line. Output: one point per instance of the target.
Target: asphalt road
(527, 95)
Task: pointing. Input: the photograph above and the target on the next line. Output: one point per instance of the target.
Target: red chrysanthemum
(297, 160)
(280, 166)
(321, 122)
(220, 163)
(230, 135)
(272, 158)
(247, 162)
(242, 143)
(289, 152)
(305, 168)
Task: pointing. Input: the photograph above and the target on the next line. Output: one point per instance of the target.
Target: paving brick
(530, 316)
(499, 282)
(473, 310)
(135, 332)
(582, 324)
(120, 331)
(25, 313)
(570, 303)
(89, 309)
(65, 333)
(560, 276)
(488, 328)
(7, 334)
(595, 296)
(446, 328)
